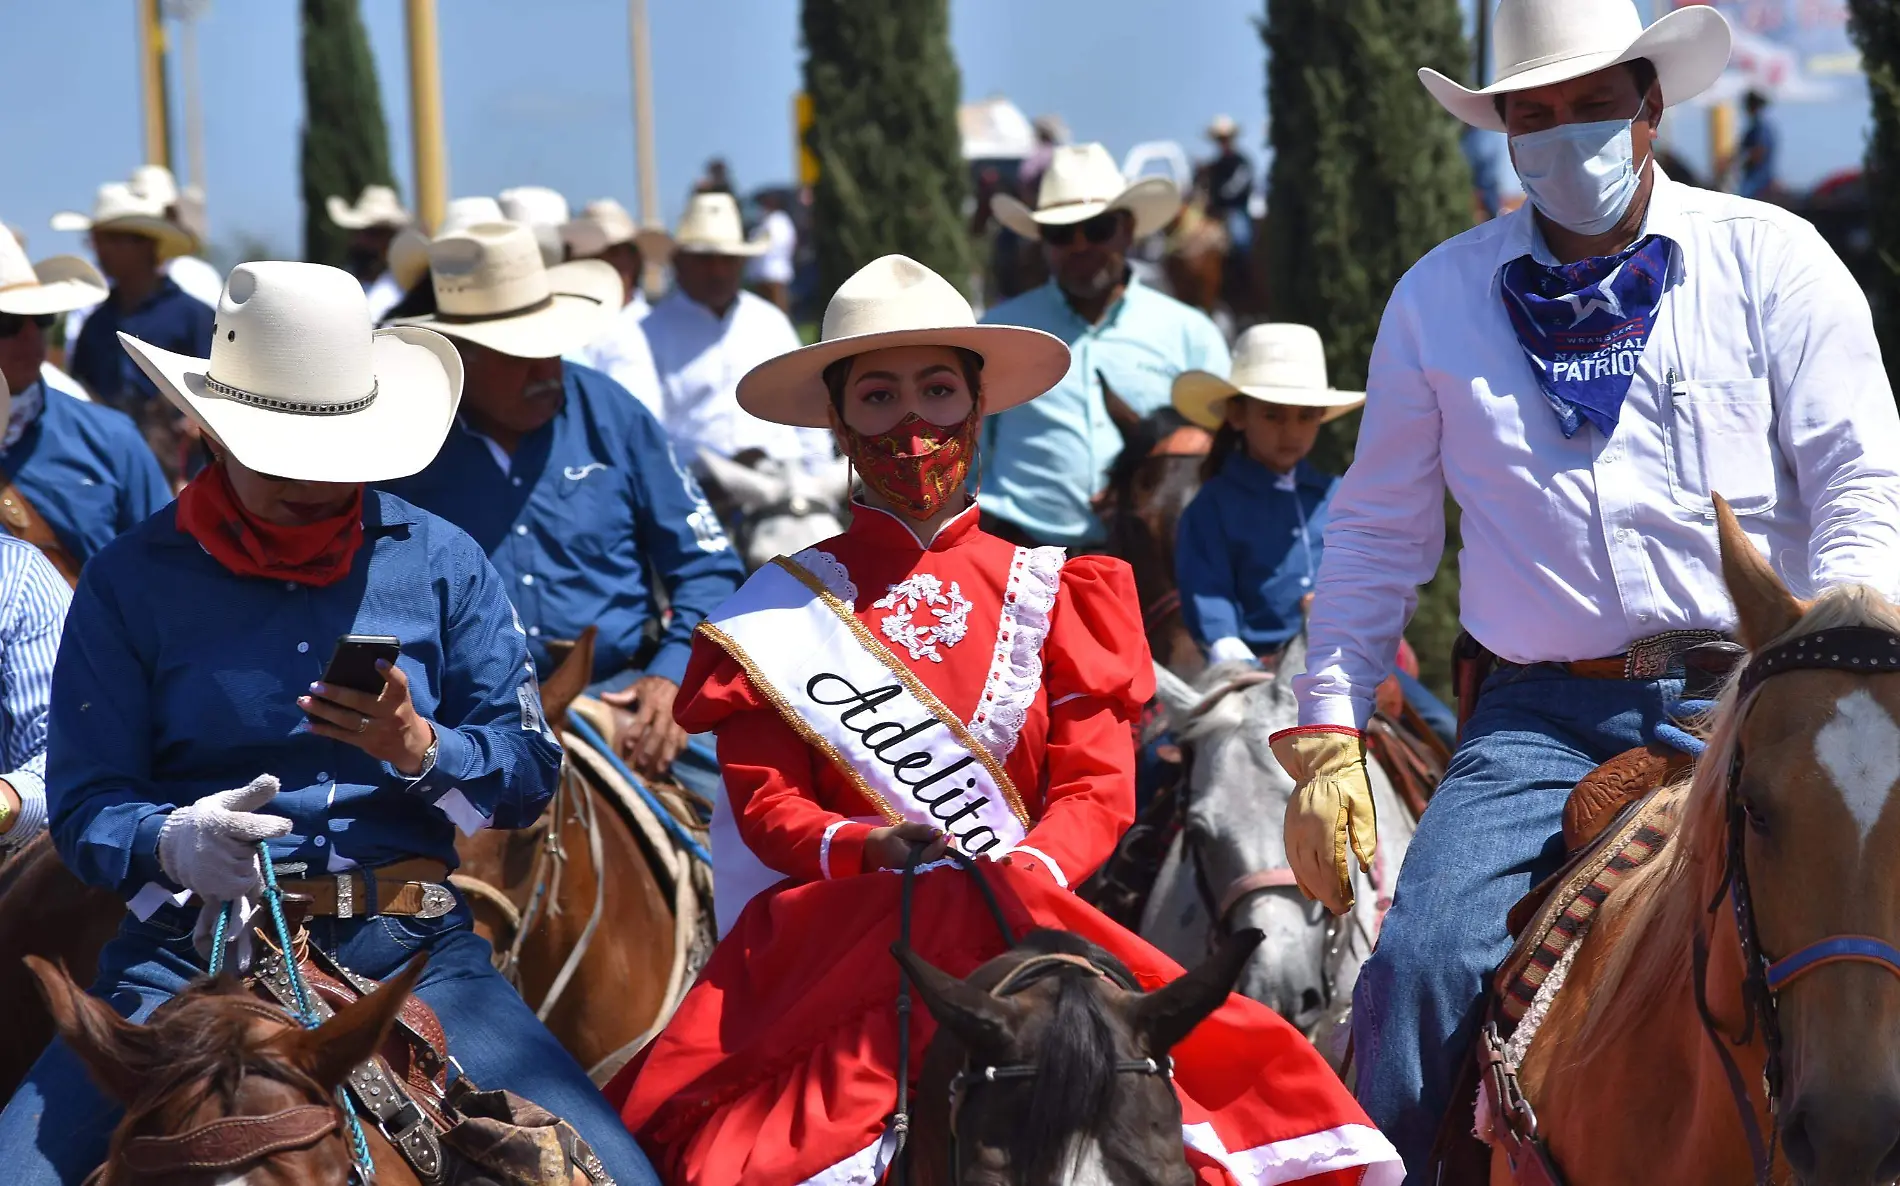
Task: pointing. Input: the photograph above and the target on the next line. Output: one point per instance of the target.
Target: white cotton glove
(210, 847)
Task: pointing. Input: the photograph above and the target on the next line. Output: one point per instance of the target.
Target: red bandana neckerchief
(917, 466)
(314, 554)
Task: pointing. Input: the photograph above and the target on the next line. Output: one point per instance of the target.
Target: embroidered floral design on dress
(919, 593)
(1016, 666)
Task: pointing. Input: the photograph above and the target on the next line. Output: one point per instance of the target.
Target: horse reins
(1859, 649)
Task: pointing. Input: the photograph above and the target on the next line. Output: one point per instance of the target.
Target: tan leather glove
(1330, 812)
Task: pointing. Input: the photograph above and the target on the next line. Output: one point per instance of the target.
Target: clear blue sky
(539, 92)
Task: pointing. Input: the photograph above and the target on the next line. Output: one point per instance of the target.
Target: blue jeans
(55, 1129)
(1493, 830)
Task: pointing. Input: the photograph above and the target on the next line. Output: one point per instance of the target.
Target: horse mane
(1669, 898)
(1075, 1063)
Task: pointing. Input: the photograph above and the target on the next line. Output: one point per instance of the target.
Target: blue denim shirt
(586, 504)
(1247, 550)
(1044, 461)
(168, 318)
(87, 470)
(177, 679)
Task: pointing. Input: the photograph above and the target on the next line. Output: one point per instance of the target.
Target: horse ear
(1168, 1014)
(569, 679)
(980, 1021)
(329, 1052)
(1764, 609)
(108, 1044)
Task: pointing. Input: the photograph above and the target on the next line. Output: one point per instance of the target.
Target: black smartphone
(353, 663)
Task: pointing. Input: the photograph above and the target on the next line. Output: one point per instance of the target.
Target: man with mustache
(1043, 463)
(569, 484)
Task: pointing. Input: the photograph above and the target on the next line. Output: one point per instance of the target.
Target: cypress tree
(1875, 26)
(1367, 177)
(345, 142)
(884, 88)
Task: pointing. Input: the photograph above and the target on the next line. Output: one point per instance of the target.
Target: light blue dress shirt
(1045, 461)
(33, 602)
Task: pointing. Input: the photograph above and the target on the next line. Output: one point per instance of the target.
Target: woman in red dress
(916, 680)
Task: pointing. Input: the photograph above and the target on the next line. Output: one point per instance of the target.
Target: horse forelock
(1668, 899)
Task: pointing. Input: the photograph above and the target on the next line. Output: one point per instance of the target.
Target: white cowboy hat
(376, 206)
(1277, 363)
(186, 206)
(463, 213)
(1540, 42)
(605, 223)
(1082, 181)
(118, 207)
(299, 386)
(493, 289)
(542, 210)
(711, 226)
(409, 257)
(1221, 127)
(56, 285)
(896, 301)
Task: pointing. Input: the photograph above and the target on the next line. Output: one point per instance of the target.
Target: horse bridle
(1860, 649)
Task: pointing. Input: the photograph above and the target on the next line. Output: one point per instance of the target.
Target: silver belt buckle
(345, 895)
(437, 900)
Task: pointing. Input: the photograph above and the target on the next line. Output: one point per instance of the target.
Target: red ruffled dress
(780, 1065)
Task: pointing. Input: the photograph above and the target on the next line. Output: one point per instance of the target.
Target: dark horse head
(1157, 474)
(1088, 1096)
(219, 1085)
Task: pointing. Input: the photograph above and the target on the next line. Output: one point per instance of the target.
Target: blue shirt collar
(383, 514)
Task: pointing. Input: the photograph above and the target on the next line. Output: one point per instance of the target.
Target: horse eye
(1756, 815)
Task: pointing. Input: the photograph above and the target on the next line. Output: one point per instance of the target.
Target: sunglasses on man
(13, 323)
(1097, 230)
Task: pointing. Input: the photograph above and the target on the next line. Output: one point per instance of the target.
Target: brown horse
(1077, 1088)
(219, 1088)
(1650, 1063)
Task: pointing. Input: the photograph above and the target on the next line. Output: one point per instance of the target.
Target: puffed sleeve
(770, 772)
(1098, 675)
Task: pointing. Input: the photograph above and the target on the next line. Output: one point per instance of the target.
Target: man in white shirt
(606, 232)
(1583, 376)
(772, 271)
(708, 332)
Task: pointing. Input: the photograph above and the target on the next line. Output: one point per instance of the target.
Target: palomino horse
(1744, 986)
(1074, 1084)
(1228, 867)
(219, 1087)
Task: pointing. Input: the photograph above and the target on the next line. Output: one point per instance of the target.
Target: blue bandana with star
(1584, 325)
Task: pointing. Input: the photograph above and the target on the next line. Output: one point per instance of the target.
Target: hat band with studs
(297, 407)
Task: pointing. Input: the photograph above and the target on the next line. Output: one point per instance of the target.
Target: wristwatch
(428, 755)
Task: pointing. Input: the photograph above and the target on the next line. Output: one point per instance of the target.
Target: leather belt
(417, 888)
(1660, 656)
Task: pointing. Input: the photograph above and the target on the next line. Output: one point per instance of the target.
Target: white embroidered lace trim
(1016, 668)
(824, 848)
(832, 575)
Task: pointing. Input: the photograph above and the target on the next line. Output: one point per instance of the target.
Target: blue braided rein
(365, 1164)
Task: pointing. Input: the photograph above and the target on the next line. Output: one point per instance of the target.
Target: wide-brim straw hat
(299, 386)
(1276, 363)
(1541, 42)
(376, 206)
(493, 288)
(711, 226)
(463, 213)
(605, 223)
(896, 301)
(1082, 181)
(118, 207)
(58, 284)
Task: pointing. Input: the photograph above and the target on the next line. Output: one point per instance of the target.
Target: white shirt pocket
(1721, 441)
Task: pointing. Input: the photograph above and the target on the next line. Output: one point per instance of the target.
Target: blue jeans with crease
(1493, 830)
(55, 1129)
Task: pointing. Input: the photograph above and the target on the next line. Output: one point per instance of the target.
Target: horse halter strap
(230, 1142)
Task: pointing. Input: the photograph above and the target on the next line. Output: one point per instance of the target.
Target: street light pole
(646, 167)
(1484, 44)
(425, 114)
(152, 83)
(188, 13)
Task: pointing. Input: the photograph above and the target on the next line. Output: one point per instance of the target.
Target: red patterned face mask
(917, 466)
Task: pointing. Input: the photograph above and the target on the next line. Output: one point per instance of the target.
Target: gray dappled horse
(776, 508)
(1227, 870)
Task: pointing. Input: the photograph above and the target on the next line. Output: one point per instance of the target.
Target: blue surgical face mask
(1581, 176)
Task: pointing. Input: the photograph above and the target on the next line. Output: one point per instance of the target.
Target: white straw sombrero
(1540, 42)
(1082, 181)
(896, 301)
(605, 223)
(119, 207)
(1277, 363)
(299, 386)
(58, 284)
(492, 288)
(711, 226)
(376, 206)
